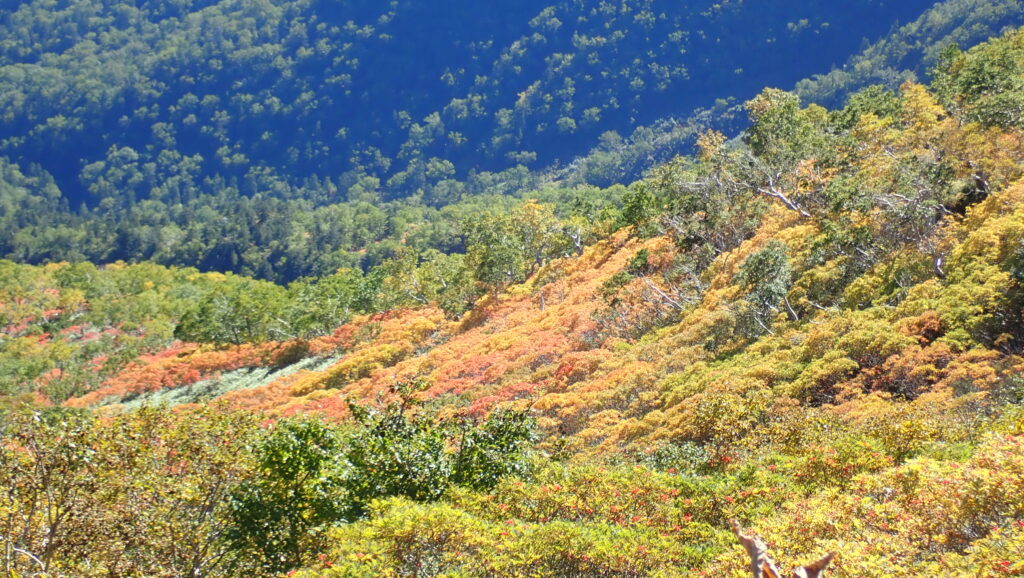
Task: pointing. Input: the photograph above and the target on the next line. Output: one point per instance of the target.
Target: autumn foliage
(818, 333)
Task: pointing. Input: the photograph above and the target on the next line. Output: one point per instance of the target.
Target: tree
(492, 254)
(710, 206)
(167, 478)
(496, 449)
(506, 248)
(986, 83)
(541, 234)
(640, 209)
(316, 308)
(434, 278)
(766, 276)
(395, 453)
(278, 517)
(48, 472)
(235, 312)
(391, 454)
(782, 133)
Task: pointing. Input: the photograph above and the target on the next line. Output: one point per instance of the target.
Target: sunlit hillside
(814, 329)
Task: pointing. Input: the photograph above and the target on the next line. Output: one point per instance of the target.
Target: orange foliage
(531, 343)
(178, 366)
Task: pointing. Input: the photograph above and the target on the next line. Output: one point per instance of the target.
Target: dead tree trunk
(762, 565)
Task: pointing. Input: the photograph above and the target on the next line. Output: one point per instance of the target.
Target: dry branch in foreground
(762, 565)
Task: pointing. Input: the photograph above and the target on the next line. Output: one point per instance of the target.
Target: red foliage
(177, 366)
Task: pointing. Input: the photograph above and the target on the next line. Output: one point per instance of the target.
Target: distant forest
(289, 138)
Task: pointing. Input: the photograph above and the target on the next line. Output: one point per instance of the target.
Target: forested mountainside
(287, 139)
(912, 50)
(816, 329)
(908, 52)
(262, 93)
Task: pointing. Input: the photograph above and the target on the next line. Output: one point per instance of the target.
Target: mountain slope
(288, 139)
(817, 329)
(252, 93)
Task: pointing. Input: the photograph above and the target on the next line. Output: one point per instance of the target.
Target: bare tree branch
(816, 569)
(762, 565)
(663, 295)
(771, 191)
